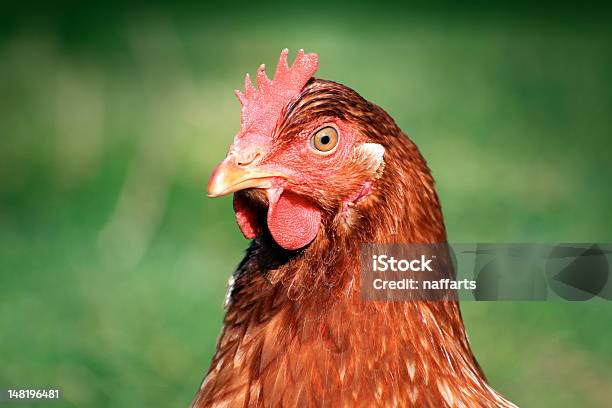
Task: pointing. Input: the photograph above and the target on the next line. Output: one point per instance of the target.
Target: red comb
(262, 105)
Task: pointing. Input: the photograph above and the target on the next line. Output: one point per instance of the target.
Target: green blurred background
(113, 263)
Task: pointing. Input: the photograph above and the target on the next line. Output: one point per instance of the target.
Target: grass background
(113, 263)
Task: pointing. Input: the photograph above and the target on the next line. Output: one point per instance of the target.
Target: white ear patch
(372, 156)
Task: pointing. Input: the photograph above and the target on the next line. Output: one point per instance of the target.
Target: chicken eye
(325, 140)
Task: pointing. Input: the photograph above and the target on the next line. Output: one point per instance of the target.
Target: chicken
(316, 170)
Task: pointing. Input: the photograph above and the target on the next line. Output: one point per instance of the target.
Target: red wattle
(245, 217)
(293, 221)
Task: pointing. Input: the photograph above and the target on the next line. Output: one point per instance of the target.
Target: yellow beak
(230, 177)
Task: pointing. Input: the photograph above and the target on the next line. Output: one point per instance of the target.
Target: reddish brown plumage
(296, 332)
